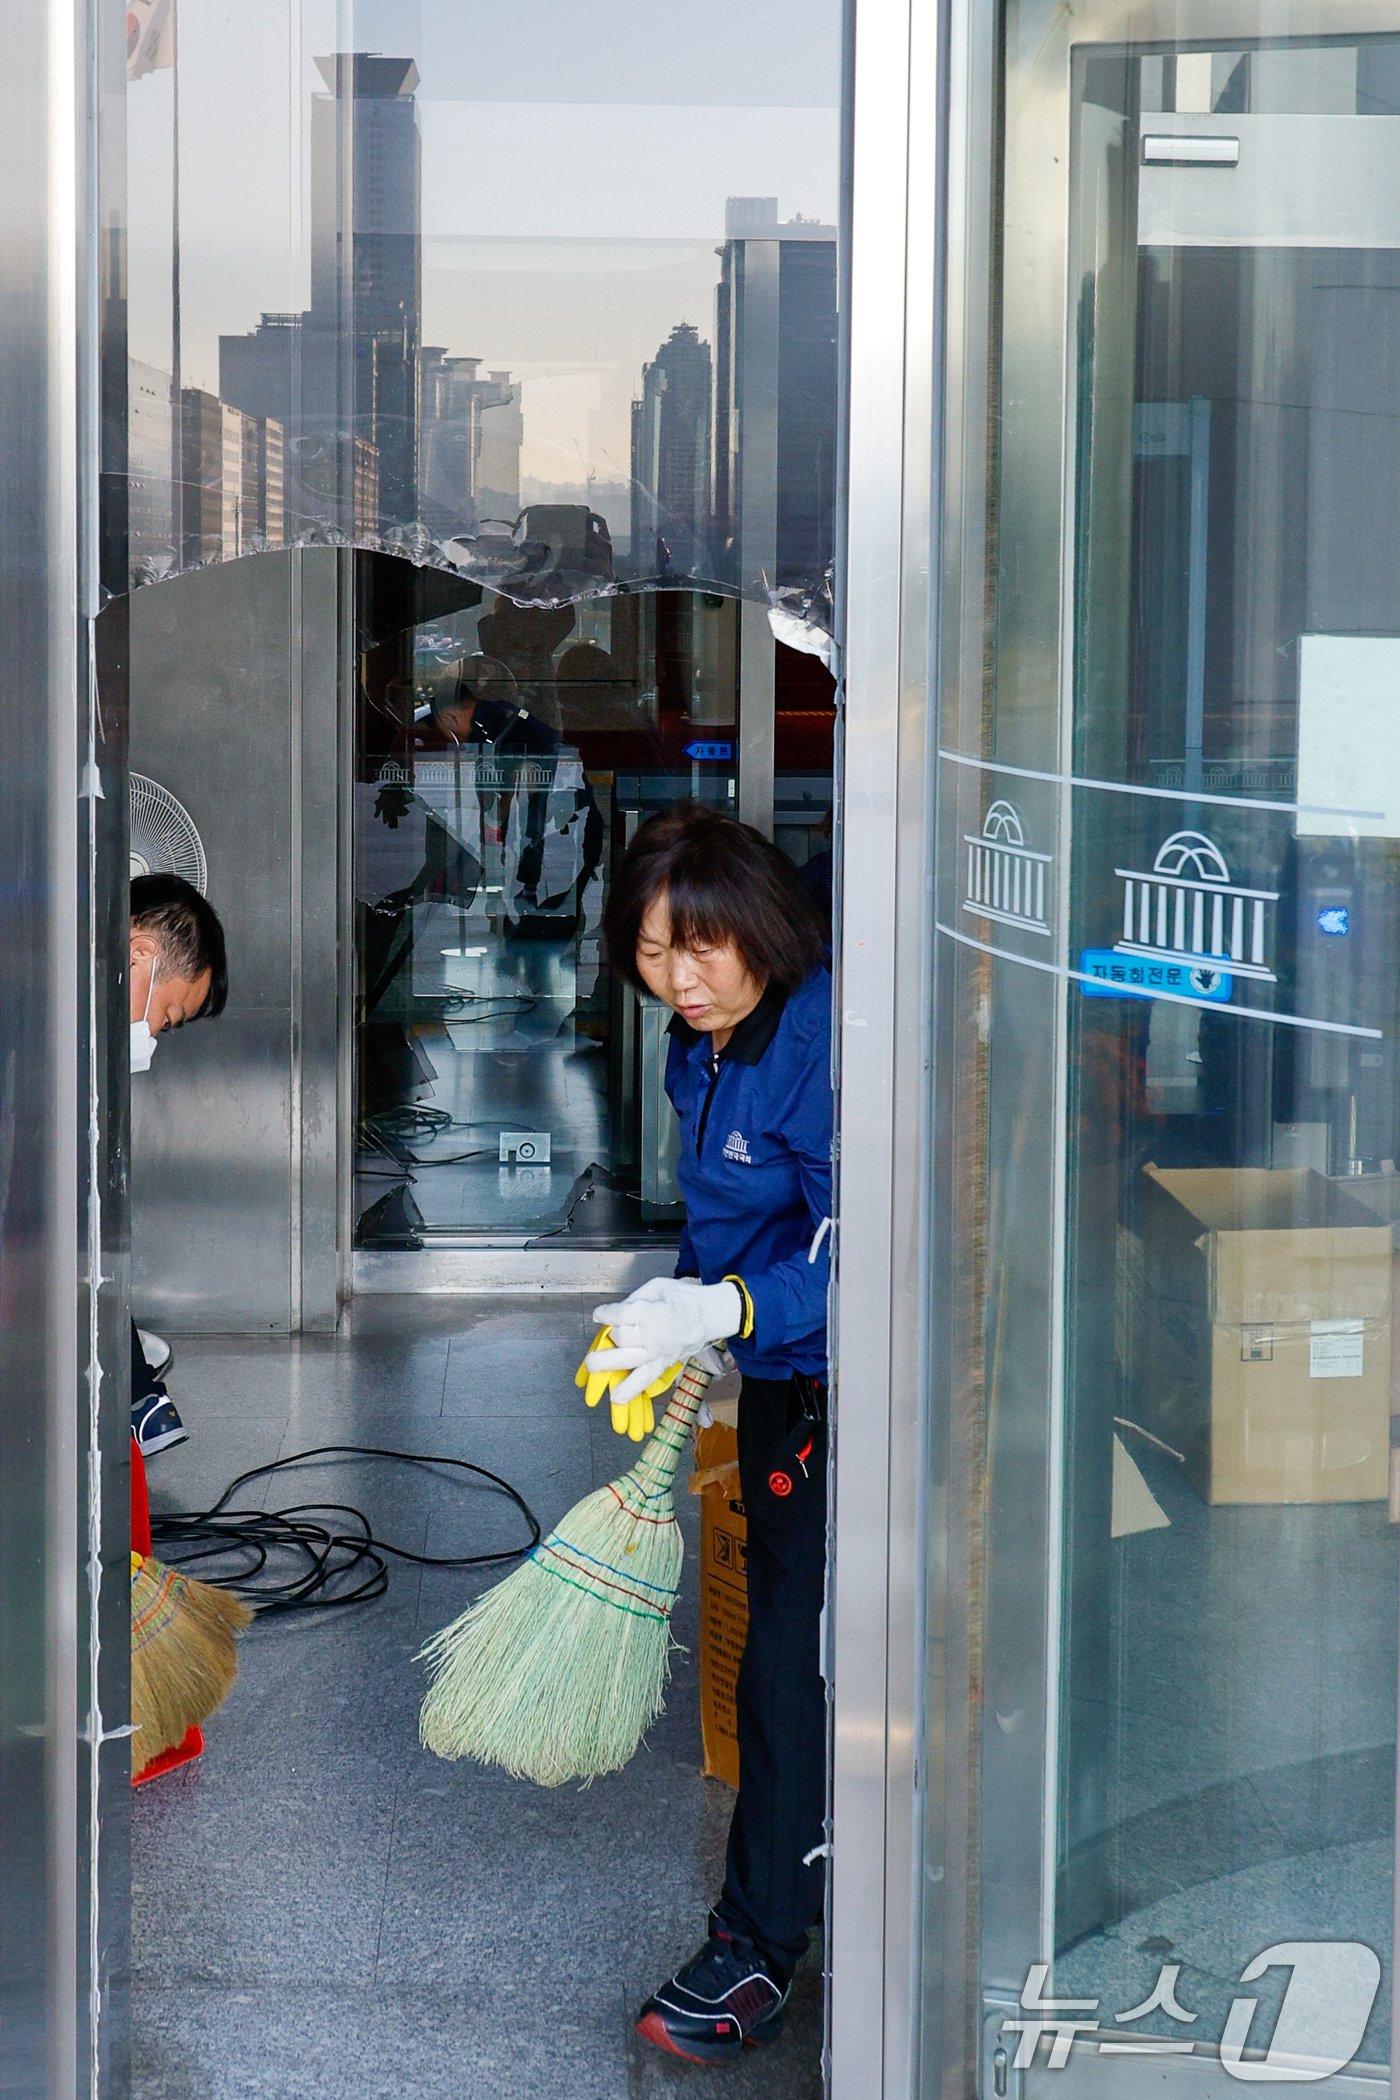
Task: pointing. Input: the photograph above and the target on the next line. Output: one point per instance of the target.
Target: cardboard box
(1380, 1194)
(1266, 1357)
(724, 1603)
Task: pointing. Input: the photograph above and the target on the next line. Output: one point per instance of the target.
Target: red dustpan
(193, 1746)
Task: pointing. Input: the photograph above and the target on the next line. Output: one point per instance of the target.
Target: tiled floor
(322, 1911)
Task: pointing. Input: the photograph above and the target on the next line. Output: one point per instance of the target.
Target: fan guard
(164, 840)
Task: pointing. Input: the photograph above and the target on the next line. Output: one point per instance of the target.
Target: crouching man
(179, 974)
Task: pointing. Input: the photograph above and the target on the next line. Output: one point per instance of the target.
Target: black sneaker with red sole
(722, 2002)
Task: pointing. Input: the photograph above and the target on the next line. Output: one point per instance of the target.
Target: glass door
(1170, 900)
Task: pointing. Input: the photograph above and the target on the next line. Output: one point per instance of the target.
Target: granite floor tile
(260, 1880)
(287, 2044)
(552, 1470)
(193, 1475)
(402, 1315)
(619, 1872)
(344, 1680)
(489, 1374)
(533, 1317)
(231, 1377)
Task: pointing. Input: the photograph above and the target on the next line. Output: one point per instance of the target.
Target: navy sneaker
(156, 1424)
(722, 2002)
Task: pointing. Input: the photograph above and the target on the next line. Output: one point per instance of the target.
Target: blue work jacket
(755, 1169)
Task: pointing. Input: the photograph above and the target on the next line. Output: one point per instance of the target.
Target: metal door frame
(64, 1436)
(887, 1499)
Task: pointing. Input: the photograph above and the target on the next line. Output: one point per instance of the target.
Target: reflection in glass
(555, 312)
(509, 1087)
(1172, 1118)
(1228, 1721)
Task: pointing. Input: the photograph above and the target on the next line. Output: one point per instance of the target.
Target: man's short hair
(186, 928)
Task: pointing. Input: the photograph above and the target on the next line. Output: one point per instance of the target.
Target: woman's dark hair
(188, 933)
(723, 881)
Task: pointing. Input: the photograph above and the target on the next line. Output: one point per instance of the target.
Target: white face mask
(143, 1043)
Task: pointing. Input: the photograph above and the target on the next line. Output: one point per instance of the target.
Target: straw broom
(556, 1673)
(183, 1654)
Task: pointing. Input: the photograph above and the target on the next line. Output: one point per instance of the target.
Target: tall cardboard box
(1380, 1194)
(724, 1595)
(1266, 1359)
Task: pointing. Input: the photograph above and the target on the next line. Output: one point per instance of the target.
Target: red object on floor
(193, 1746)
(140, 1504)
(183, 1754)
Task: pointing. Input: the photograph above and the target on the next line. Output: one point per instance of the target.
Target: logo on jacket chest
(736, 1147)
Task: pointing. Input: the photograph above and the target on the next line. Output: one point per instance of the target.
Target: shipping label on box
(1337, 1349)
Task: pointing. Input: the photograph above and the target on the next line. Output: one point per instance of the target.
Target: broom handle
(661, 1459)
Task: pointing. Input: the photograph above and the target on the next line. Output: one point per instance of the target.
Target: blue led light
(1334, 918)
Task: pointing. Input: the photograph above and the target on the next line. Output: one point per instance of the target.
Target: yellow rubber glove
(636, 1417)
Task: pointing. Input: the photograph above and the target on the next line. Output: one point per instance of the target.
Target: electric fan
(163, 837)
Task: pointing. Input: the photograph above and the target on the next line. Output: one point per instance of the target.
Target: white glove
(666, 1321)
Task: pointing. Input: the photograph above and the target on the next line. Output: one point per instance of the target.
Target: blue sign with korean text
(1110, 975)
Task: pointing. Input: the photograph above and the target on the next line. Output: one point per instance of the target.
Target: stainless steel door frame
(884, 1495)
(64, 1572)
(1036, 496)
(259, 761)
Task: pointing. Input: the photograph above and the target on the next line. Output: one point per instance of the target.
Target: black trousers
(144, 1383)
(772, 1889)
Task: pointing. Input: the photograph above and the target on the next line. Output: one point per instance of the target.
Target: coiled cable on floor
(331, 1565)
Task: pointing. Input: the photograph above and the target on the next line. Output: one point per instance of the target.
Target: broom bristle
(556, 1673)
(184, 1657)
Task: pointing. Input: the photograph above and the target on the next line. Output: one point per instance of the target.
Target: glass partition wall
(509, 1086)
(1168, 806)
(503, 406)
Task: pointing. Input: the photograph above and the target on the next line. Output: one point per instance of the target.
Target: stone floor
(322, 1911)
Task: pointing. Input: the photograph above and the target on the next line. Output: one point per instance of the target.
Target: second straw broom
(183, 1654)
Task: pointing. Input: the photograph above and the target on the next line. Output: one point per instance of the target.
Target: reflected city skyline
(359, 413)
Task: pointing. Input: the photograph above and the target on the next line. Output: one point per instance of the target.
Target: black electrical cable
(455, 1159)
(501, 1012)
(327, 1559)
(405, 1160)
(389, 1145)
(416, 1119)
(387, 1130)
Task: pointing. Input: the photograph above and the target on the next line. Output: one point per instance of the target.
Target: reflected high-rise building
(500, 436)
(775, 396)
(367, 255)
(151, 520)
(448, 416)
(470, 433)
(671, 458)
(343, 377)
(232, 491)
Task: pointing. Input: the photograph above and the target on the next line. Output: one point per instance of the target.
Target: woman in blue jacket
(710, 917)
